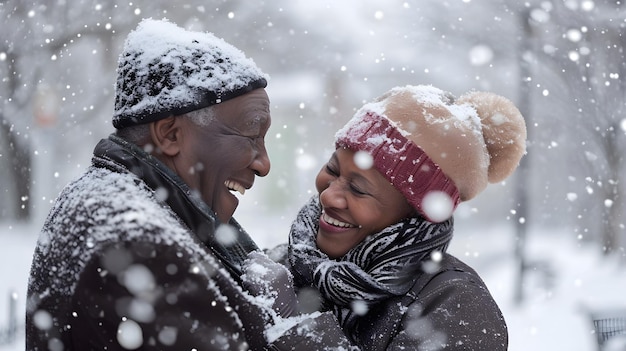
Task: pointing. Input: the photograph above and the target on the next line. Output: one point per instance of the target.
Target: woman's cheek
(321, 181)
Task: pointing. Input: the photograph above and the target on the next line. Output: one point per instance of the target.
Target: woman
(373, 241)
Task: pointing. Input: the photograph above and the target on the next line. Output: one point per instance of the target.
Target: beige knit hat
(423, 140)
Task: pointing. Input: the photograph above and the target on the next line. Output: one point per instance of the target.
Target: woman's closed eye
(347, 183)
(331, 170)
(357, 191)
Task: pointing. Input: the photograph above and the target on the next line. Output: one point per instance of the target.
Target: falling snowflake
(226, 235)
(129, 334)
(438, 206)
(363, 160)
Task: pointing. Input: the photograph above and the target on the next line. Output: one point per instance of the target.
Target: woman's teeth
(231, 185)
(335, 222)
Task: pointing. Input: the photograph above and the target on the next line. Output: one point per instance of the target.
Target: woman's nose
(334, 195)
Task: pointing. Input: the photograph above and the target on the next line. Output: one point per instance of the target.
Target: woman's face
(355, 203)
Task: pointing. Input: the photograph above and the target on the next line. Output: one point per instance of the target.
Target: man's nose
(261, 163)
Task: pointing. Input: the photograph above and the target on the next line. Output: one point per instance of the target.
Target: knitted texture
(383, 265)
(476, 139)
(165, 70)
(404, 164)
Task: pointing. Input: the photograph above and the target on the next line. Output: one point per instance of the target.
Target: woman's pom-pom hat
(432, 146)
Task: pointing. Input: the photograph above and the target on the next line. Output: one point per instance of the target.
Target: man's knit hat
(165, 70)
(426, 143)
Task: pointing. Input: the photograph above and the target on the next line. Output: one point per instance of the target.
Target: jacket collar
(120, 156)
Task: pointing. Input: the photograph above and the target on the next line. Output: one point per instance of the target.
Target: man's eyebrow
(259, 120)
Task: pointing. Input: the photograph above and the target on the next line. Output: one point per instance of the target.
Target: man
(142, 252)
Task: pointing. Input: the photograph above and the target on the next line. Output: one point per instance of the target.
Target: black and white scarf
(384, 265)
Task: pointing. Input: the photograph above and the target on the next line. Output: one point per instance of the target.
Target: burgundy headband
(407, 167)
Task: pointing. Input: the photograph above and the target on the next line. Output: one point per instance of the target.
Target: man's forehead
(249, 121)
(249, 109)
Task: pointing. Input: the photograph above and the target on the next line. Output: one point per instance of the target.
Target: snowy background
(561, 61)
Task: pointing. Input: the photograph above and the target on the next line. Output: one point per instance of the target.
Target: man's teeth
(336, 223)
(235, 186)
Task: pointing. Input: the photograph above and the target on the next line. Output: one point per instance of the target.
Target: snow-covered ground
(552, 316)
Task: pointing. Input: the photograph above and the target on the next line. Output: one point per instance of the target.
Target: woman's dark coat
(390, 292)
(450, 309)
(447, 309)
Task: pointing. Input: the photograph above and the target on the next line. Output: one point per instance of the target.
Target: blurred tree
(36, 45)
(57, 62)
(584, 48)
(16, 156)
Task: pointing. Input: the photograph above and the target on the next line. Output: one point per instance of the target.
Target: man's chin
(226, 209)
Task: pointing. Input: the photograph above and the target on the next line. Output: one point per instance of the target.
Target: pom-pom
(504, 131)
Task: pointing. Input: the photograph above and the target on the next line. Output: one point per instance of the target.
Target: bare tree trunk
(612, 224)
(522, 173)
(20, 166)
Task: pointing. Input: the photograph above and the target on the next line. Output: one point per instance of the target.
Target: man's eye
(253, 138)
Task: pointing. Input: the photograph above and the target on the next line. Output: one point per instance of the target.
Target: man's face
(225, 155)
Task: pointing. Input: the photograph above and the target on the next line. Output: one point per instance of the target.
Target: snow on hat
(427, 143)
(165, 70)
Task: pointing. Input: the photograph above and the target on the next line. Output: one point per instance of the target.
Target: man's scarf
(384, 265)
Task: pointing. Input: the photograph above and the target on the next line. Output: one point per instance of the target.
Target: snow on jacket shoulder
(117, 268)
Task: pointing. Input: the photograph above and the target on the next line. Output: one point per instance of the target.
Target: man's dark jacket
(128, 260)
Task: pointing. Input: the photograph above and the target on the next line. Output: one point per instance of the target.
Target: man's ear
(166, 136)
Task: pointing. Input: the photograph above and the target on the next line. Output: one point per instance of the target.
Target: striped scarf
(384, 265)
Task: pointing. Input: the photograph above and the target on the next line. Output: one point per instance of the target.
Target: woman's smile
(335, 222)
